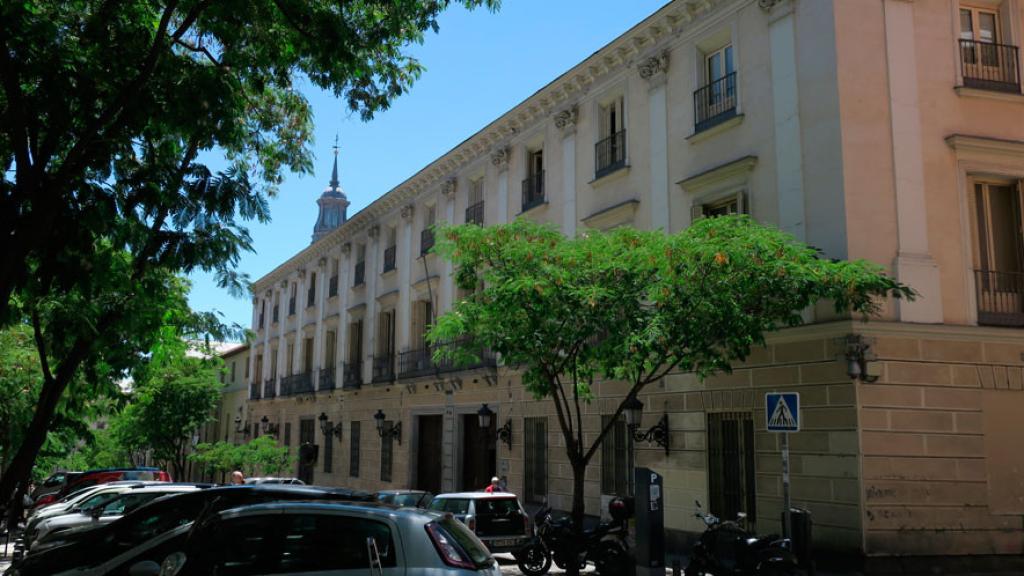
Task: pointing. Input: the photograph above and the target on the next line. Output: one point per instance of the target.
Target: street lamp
(394, 431)
(658, 433)
(484, 416)
(327, 429)
(268, 428)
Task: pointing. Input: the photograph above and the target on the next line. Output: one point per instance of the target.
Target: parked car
(84, 499)
(55, 483)
(110, 510)
(108, 549)
(103, 476)
(273, 480)
(410, 498)
(497, 518)
(320, 537)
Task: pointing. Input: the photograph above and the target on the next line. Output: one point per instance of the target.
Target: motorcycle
(604, 545)
(726, 548)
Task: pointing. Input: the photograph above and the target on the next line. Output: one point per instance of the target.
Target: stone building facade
(889, 130)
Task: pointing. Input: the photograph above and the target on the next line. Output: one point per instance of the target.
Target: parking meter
(650, 523)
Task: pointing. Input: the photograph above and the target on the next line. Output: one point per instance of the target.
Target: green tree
(632, 306)
(173, 399)
(260, 454)
(105, 112)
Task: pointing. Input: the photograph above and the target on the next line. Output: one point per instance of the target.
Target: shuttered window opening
(535, 432)
(731, 465)
(732, 204)
(616, 455)
(353, 454)
(288, 435)
(329, 450)
(386, 451)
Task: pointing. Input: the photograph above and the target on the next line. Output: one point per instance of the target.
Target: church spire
(333, 203)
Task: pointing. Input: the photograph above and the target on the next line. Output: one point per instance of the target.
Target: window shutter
(329, 450)
(287, 433)
(353, 462)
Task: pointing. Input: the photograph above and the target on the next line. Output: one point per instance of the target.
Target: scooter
(604, 545)
(726, 548)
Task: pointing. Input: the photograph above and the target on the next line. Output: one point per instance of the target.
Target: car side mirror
(144, 568)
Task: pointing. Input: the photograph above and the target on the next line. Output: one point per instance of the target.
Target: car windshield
(97, 500)
(407, 499)
(468, 541)
(128, 502)
(497, 506)
(453, 505)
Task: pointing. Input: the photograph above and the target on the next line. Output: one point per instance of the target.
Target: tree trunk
(579, 471)
(21, 466)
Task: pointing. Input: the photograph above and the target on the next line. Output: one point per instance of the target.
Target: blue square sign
(782, 411)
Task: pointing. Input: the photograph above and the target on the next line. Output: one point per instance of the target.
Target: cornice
(649, 36)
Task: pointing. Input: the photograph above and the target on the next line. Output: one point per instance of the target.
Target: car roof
(402, 492)
(165, 488)
(371, 508)
(477, 495)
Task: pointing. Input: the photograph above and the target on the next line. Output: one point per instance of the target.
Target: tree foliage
(632, 306)
(259, 456)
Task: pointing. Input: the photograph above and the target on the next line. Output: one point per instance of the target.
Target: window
(233, 363)
(999, 253)
(291, 299)
(616, 458)
(330, 348)
(307, 355)
(427, 234)
(386, 453)
(263, 311)
(383, 361)
(535, 456)
(715, 102)
(533, 185)
(287, 434)
(359, 276)
(290, 359)
(475, 205)
(423, 317)
(731, 204)
(329, 450)
(311, 291)
(986, 60)
(353, 450)
(273, 363)
(610, 150)
(332, 283)
(731, 464)
(314, 543)
(391, 252)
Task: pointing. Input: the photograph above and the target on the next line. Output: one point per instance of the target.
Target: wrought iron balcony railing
(990, 66)
(301, 383)
(268, 388)
(426, 240)
(326, 381)
(414, 363)
(1000, 297)
(360, 275)
(475, 214)
(610, 154)
(714, 103)
(332, 287)
(383, 368)
(389, 258)
(352, 375)
(533, 190)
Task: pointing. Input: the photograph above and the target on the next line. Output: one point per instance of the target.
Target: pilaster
(654, 70)
(500, 159)
(566, 121)
(404, 277)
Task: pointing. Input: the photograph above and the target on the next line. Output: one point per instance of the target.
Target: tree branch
(37, 331)
(199, 50)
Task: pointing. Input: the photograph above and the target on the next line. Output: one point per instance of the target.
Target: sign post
(782, 413)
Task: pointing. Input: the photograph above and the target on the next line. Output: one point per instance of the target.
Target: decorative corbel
(448, 189)
(566, 119)
(500, 157)
(654, 68)
(346, 248)
(374, 231)
(407, 212)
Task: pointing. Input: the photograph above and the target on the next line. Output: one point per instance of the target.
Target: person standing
(494, 486)
(237, 478)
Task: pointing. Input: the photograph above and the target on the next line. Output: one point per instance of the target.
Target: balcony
(714, 103)
(383, 368)
(1000, 298)
(332, 287)
(273, 317)
(989, 66)
(415, 363)
(295, 384)
(475, 214)
(254, 390)
(426, 240)
(610, 154)
(268, 388)
(352, 375)
(326, 382)
(389, 258)
(533, 190)
(360, 276)
(291, 306)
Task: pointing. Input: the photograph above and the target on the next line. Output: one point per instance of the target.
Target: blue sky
(477, 67)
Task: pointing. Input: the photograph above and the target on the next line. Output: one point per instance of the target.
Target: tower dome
(333, 204)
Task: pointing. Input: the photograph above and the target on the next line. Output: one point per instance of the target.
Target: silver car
(84, 498)
(328, 539)
(50, 528)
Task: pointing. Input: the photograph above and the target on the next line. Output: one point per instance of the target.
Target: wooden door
(306, 438)
(479, 453)
(428, 465)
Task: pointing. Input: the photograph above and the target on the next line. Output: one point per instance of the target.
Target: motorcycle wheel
(533, 560)
(611, 558)
(696, 568)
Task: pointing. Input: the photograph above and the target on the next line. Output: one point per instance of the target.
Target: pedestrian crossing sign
(782, 411)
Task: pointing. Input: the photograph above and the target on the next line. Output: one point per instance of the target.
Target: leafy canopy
(260, 455)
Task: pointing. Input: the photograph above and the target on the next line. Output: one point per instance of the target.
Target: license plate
(503, 543)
